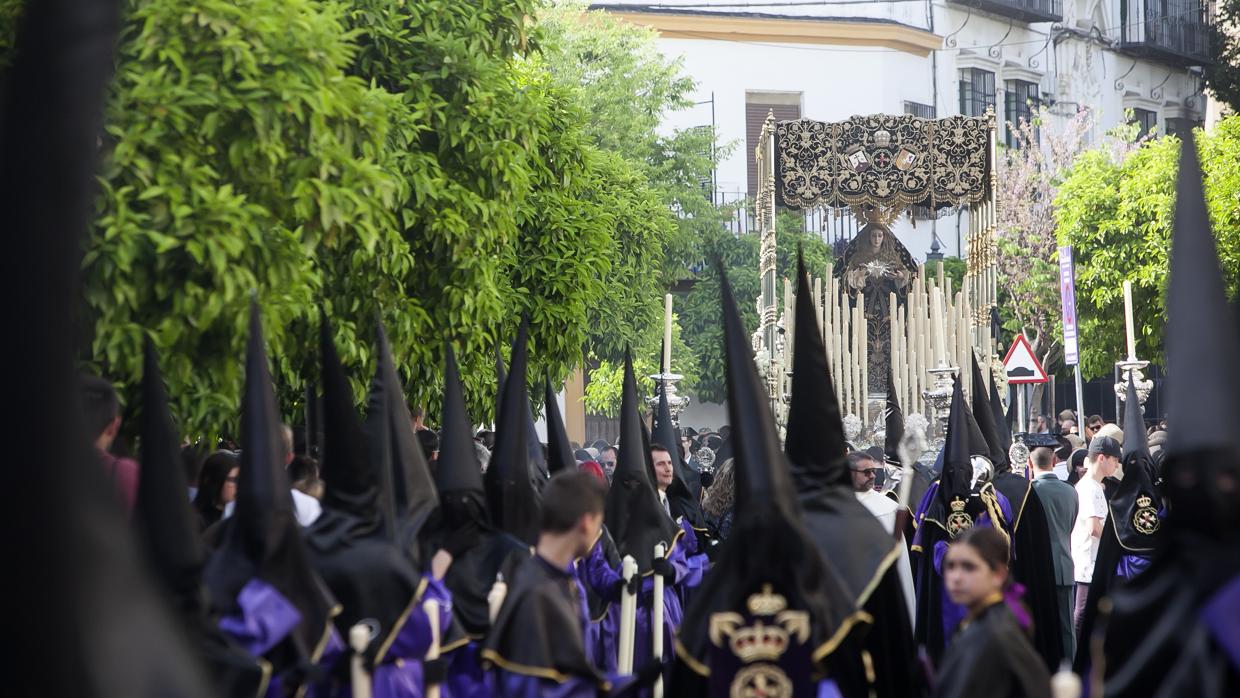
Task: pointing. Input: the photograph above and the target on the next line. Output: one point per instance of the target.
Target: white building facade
(1123, 59)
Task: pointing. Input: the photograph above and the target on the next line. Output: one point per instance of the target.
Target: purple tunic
(264, 619)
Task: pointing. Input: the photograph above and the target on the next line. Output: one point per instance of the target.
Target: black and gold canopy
(892, 161)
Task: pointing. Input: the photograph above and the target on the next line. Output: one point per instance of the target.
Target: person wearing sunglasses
(864, 470)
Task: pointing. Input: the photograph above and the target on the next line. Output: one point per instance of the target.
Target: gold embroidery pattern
(888, 161)
(761, 643)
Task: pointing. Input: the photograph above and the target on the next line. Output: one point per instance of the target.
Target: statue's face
(876, 238)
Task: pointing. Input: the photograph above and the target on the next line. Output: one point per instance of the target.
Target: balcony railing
(1023, 10)
(1181, 38)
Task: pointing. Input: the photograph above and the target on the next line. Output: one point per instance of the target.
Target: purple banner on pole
(1067, 294)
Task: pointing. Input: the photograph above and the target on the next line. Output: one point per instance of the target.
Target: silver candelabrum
(1133, 366)
(676, 403)
(940, 398)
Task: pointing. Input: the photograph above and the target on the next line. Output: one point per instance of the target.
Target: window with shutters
(786, 106)
(977, 91)
(924, 111)
(1020, 102)
(1146, 119)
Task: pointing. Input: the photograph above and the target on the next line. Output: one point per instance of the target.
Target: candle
(1128, 325)
(667, 334)
(936, 323)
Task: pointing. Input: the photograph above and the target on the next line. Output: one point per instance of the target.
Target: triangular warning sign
(1020, 365)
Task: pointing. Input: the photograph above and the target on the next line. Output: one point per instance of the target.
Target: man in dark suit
(1059, 500)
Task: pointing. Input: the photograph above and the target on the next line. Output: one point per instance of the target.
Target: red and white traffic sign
(1020, 365)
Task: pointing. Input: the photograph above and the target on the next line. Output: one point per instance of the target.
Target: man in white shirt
(1103, 461)
(664, 473)
(863, 467)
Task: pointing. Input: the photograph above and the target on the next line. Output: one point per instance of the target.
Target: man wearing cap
(1060, 503)
(1103, 461)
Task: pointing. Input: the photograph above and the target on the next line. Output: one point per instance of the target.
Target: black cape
(538, 631)
(1032, 564)
(462, 523)
(165, 525)
(989, 657)
(942, 520)
(354, 541)
(263, 539)
(1030, 533)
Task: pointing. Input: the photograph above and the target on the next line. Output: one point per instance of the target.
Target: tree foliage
(1222, 74)
(1030, 176)
(409, 160)
(1117, 212)
(628, 87)
(239, 158)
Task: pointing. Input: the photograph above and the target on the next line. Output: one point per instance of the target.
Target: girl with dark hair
(1076, 466)
(217, 486)
(718, 501)
(990, 654)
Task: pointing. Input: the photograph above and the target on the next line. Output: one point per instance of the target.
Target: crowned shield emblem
(765, 649)
(958, 521)
(1145, 518)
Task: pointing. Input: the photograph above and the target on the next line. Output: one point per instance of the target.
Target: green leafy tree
(628, 86)
(239, 157)
(409, 160)
(1222, 74)
(466, 139)
(1117, 212)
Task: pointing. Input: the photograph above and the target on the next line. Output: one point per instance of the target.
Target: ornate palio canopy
(883, 161)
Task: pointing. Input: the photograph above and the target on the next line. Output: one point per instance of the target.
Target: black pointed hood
(1004, 429)
(961, 444)
(1203, 445)
(84, 615)
(457, 469)
(174, 548)
(893, 423)
(814, 438)
(162, 512)
(685, 492)
(768, 546)
(511, 494)
(1134, 505)
(262, 539)
(351, 483)
(559, 451)
(404, 479)
(984, 415)
(634, 515)
(825, 489)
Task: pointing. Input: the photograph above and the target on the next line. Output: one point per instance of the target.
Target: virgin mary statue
(875, 264)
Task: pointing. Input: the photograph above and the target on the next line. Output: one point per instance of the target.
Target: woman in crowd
(217, 486)
(718, 500)
(990, 654)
